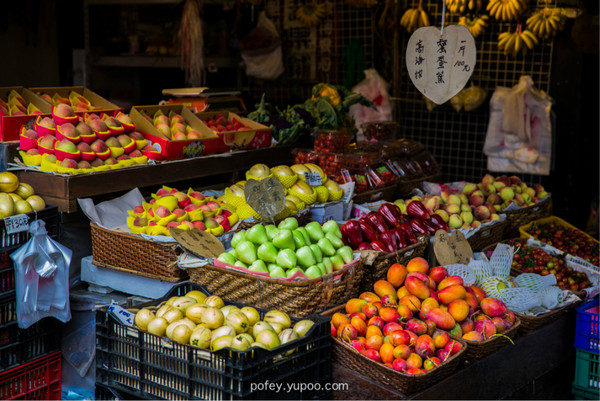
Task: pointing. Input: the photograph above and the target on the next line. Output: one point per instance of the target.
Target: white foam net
(519, 299)
(551, 296)
(491, 286)
(482, 270)
(464, 271)
(534, 282)
(501, 260)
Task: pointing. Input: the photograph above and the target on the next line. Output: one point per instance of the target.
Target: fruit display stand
(63, 190)
(587, 363)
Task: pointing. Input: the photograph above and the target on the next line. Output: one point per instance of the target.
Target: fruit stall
(381, 203)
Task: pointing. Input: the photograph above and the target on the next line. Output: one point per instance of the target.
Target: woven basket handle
(327, 290)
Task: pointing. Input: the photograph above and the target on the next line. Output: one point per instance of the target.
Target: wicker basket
(479, 349)
(132, 253)
(376, 264)
(348, 357)
(531, 323)
(489, 235)
(383, 193)
(518, 218)
(404, 188)
(297, 298)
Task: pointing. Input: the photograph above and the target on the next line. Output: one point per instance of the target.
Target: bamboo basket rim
(122, 233)
(183, 277)
(479, 349)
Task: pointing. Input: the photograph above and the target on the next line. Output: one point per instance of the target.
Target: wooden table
(63, 191)
(539, 366)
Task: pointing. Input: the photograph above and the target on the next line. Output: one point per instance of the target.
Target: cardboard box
(258, 136)
(95, 99)
(175, 149)
(10, 125)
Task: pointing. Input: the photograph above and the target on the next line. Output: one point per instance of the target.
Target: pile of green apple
(288, 250)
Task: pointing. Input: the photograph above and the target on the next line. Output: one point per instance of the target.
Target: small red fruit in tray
(221, 124)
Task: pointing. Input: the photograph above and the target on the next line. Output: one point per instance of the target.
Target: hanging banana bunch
(522, 40)
(361, 3)
(545, 23)
(475, 25)
(312, 13)
(414, 18)
(456, 6)
(506, 10)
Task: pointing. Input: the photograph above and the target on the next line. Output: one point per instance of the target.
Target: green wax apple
(267, 252)
(239, 263)
(337, 261)
(313, 272)
(293, 271)
(314, 230)
(233, 253)
(304, 234)
(287, 258)
(328, 265)
(246, 252)
(317, 252)
(277, 271)
(335, 241)
(322, 267)
(298, 239)
(284, 239)
(326, 247)
(237, 238)
(257, 234)
(346, 253)
(271, 231)
(331, 226)
(290, 223)
(305, 257)
(226, 257)
(258, 266)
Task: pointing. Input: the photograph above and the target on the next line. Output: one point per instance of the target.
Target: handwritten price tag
(451, 249)
(313, 179)
(266, 196)
(123, 316)
(440, 65)
(16, 224)
(198, 242)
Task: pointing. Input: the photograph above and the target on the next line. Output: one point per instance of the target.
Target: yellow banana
(527, 41)
(424, 18)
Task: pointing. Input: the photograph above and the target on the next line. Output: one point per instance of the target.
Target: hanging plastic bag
(261, 50)
(42, 277)
(375, 89)
(519, 135)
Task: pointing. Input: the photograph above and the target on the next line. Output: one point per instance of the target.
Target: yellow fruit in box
(169, 201)
(317, 170)
(335, 191)
(258, 172)
(322, 193)
(300, 170)
(285, 174)
(245, 211)
(8, 182)
(291, 206)
(297, 201)
(283, 214)
(304, 191)
(163, 221)
(234, 195)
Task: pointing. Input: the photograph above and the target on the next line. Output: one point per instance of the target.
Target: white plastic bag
(519, 135)
(41, 277)
(261, 50)
(375, 89)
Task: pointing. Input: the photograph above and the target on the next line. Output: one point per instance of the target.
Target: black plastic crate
(7, 280)
(149, 366)
(8, 307)
(18, 346)
(50, 216)
(105, 393)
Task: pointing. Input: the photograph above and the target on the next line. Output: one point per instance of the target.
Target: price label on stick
(198, 242)
(266, 197)
(440, 63)
(313, 179)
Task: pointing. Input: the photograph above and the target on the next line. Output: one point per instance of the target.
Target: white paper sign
(313, 179)
(16, 224)
(440, 66)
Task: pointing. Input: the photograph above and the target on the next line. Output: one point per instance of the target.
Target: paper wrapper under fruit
(127, 127)
(135, 229)
(245, 211)
(127, 162)
(308, 199)
(103, 155)
(89, 138)
(196, 215)
(63, 120)
(287, 180)
(153, 155)
(216, 231)
(140, 143)
(66, 170)
(31, 160)
(322, 193)
(116, 152)
(335, 195)
(88, 156)
(157, 230)
(233, 199)
(130, 147)
(46, 165)
(251, 177)
(104, 135)
(62, 155)
(41, 130)
(233, 218)
(60, 136)
(196, 201)
(163, 221)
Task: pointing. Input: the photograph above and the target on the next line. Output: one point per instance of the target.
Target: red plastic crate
(37, 380)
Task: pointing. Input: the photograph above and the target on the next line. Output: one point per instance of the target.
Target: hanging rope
(192, 44)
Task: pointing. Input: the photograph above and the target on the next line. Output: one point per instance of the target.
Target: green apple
(335, 241)
(257, 234)
(233, 253)
(322, 267)
(317, 252)
(293, 271)
(284, 240)
(298, 239)
(287, 258)
(331, 226)
(326, 247)
(328, 265)
(226, 257)
(305, 257)
(305, 234)
(237, 238)
(258, 266)
(246, 252)
(271, 231)
(314, 230)
(337, 261)
(277, 271)
(239, 263)
(346, 253)
(267, 252)
(290, 223)
(313, 272)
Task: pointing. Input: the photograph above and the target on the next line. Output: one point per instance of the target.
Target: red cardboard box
(10, 125)
(175, 149)
(96, 100)
(257, 137)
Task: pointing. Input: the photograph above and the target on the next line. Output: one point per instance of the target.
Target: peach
(424, 346)
(161, 211)
(450, 280)
(417, 287)
(98, 125)
(442, 319)
(66, 146)
(84, 147)
(136, 153)
(83, 129)
(417, 264)
(68, 163)
(83, 164)
(199, 225)
(451, 293)
(30, 134)
(47, 141)
(63, 110)
(458, 309)
(33, 152)
(97, 162)
(99, 146)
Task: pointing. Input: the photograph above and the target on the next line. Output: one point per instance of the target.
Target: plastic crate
(584, 393)
(587, 328)
(37, 380)
(7, 280)
(8, 307)
(587, 372)
(49, 215)
(18, 346)
(148, 366)
(105, 393)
